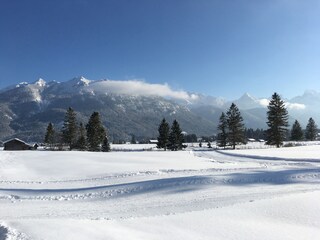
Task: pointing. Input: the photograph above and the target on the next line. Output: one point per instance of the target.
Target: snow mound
(8, 233)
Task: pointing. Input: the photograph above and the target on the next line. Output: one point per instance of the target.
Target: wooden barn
(16, 144)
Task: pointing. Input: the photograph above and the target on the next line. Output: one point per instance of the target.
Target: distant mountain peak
(143, 104)
(248, 97)
(21, 84)
(40, 82)
(246, 101)
(310, 97)
(80, 81)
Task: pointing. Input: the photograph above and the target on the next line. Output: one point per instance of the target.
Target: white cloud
(138, 87)
(264, 102)
(295, 106)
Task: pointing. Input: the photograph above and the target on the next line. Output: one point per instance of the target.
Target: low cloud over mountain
(130, 107)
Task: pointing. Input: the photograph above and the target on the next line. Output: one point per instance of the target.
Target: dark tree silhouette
(82, 142)
(277, 121)
(175, 137)
(95, 132)
(69, 129)
(163, 138)
(296, 132)
(311, 130)
(235, 126)
(50, 135)
(222, 138)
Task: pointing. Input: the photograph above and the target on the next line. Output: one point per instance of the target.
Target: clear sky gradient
(216, 47)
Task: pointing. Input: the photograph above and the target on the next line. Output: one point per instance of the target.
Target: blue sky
(216, 47)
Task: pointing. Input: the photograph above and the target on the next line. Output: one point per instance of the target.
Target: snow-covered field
(193, 194)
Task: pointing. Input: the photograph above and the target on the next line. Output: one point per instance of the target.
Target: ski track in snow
(162, 192)
(307, 175)
(128, 183)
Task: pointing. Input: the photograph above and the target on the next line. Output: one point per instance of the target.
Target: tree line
(74, 135)
(231, 128)
(310, 133)
(170, 138)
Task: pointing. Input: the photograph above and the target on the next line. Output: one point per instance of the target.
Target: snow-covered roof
(251, 140)
(16, 139)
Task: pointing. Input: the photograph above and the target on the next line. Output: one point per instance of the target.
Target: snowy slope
(194, 194)
(130, 107)
(126, 107)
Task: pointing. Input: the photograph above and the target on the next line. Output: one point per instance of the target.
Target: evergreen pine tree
(95, 132)
(82, 143)
(277, 121)
(296, 132)
(235, 126)
(133, 139)
(163, 137)
(175, 137)
(222, 131)
(311, 130)
(106, 145)
(50, 135)
(69, 129)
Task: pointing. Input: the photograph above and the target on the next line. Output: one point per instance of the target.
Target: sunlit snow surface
(192, 194)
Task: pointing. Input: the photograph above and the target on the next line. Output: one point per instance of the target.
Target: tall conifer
(235, 126)
(296, 132)
(311, 130)
(222, 131)
(50, 135)
(277, 121)
(95, 132)
(175, 137)
(69, 129)
(82, 143)
(163, 137)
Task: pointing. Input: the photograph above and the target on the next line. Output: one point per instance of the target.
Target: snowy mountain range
(130, 107)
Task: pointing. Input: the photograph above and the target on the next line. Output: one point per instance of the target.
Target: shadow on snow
(184, 184)
(257, 157)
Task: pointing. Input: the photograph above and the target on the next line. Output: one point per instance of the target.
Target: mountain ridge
(130, 107)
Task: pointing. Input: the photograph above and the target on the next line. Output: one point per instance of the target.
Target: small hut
(16, 144)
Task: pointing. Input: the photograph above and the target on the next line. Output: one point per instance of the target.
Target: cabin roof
(15, 139)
